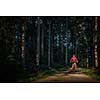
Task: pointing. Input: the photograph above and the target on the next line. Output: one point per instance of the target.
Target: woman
(74, 60)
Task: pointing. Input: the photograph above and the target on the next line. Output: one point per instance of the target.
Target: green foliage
(29, 77)
(92, 72)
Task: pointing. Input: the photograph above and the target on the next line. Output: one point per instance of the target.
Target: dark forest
(33, 48)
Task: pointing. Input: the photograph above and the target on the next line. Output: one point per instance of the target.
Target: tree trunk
(23, 42)
(62, 47)
(95, 42)
(66, 41)
(49, 45)
(38, 43)
(52, 48)
(42, 44)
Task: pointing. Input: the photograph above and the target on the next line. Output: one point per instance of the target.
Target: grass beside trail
(29, 77)
(91, 72)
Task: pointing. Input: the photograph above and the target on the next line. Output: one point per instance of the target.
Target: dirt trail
(71, 77)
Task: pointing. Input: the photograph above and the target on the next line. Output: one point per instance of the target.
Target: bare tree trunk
(52, 46)
(49, 45)
(87, 60)
(23, 45)
(38, 43)
(66, 40)
(95, 42)
(87, 51)
(23, 40)
(87, 57)
(62, 48)
(42, 44)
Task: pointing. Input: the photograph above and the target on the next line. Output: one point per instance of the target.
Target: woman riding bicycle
(74, 60)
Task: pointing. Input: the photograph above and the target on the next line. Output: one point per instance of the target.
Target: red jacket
(73, 60)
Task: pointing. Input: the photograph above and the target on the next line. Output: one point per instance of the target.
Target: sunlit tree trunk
(23, 52)
(23, 42)
(95, 42)
(62, 47)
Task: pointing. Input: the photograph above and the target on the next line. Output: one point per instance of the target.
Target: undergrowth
(91, 72)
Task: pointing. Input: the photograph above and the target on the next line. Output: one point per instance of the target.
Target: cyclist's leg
(73, 66)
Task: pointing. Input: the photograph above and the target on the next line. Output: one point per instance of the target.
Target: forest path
(71, 77)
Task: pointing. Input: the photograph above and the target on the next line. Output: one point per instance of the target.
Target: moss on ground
(91, 72)
(29, 77)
